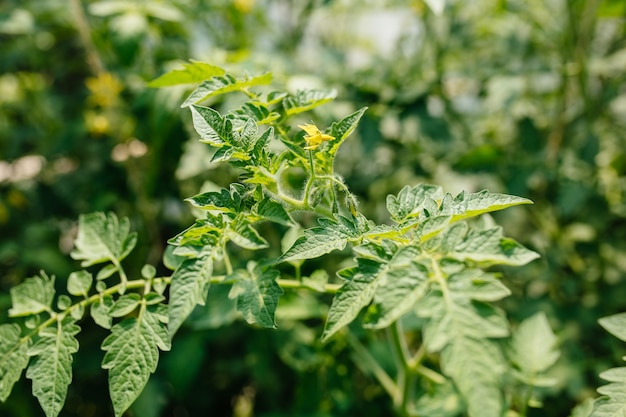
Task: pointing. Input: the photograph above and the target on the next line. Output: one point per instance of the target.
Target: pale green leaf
(257, 112)
(189, 287)
(211, 126)
(79, 283)
(469, 205)
(342, 129)
(257, 295)
(461, 318)
(441, 401)
(615, 324)
(411, 200)
(305, 100)
(100, 311)
(489, 247)
(476, 284)
(224, 84)
(193, 72)
(102, 237)
(51, 368)
(321, 240)
(245, 236)
(613, 402)
(363, 282)
(132, 354)
(124, 305)
(32, 296)
(403, 288)
(13, 357)
(583, 409)
(533, 347)
(476, 367)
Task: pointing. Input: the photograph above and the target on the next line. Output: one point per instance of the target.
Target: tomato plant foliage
(427, 266)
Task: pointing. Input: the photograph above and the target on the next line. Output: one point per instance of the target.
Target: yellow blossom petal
(314, 137)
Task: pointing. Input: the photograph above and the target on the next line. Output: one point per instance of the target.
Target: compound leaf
(132, 354)
(257, 295)
(51, 369)
(101, 238)
(13, 358)
(32, 296)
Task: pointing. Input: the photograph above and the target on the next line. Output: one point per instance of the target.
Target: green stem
(293, 284)
(309, 182)
(405, 377)
(369, 364)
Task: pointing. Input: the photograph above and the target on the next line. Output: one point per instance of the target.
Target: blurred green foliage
(521, 97)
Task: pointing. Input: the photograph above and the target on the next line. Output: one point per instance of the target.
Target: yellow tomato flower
(314, 137)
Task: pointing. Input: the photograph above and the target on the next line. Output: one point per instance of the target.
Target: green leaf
(132, 355)
(411, 200)
(613, 402)
(583, 409)
(222, 85)
(488, 247)
(32, 296)
(257, 295)
(124, 305)
(476, 367)
(442, 400)
(257, 112)
(273, 211)
(533, 348)
(51, 369)
(403, 288)
(189, 287)
(342, 129)
(305, 100)
(358, 292)
(615, 324)
(13, 358)
(476, 284)
(79, 283)
(245, 236)
(321, 240)
(469, 205)
(103, 238)
(193, 72)
(101, 311)
(211, 126)
(225, 201)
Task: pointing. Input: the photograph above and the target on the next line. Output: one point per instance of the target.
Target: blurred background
(526, 97)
